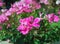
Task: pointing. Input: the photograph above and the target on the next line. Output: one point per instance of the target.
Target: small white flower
(58, 2)
(3, 10)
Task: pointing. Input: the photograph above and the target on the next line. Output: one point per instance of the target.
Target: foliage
(45, 29)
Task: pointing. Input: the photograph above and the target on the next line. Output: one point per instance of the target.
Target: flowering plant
(30, 22)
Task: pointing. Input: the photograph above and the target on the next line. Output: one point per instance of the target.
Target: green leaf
(54, 25)
(36, 41)
(58, 24)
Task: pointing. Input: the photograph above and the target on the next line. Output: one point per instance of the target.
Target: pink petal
(56, 18)
(37, 20)
(36, 25)
(25, 32)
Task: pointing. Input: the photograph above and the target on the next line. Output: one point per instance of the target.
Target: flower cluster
(52, 17)
(24, 6)
(3, 18)
(27, 24)
(1, 3)
(31, 18)
(19, 7)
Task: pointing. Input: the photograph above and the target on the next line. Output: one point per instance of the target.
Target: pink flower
(56, 18)
(24, 29)
(27, 24)
(8, 13)
(36, 5)
(12, 10)
(50, 17)
(1, 3)
(3, 18)
(28, 1)
(26, 21)
(24, 6)
(53, 18)
(59, 12)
